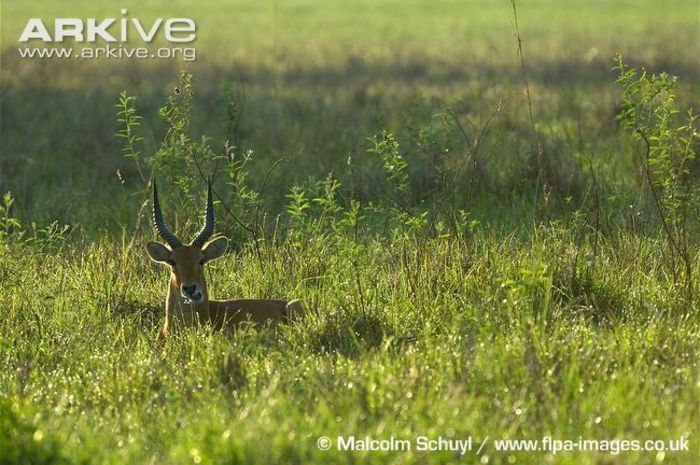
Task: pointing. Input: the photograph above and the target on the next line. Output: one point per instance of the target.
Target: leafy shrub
(650, 111)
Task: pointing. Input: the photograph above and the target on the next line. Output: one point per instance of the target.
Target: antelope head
(187, 281)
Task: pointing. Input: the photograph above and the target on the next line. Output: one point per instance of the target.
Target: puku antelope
(188, 300)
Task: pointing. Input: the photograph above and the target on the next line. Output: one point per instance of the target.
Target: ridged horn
(209, 222)
(158, 221)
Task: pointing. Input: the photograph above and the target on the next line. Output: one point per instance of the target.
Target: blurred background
(309, 82)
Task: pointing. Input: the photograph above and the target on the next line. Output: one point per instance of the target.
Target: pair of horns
(168, 236)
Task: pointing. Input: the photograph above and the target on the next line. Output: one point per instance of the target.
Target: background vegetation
(488, 243)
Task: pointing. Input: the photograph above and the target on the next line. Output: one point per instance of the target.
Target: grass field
(470, 267)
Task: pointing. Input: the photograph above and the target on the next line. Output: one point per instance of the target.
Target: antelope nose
(189, 290)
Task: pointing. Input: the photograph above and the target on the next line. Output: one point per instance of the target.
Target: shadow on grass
(145, 315)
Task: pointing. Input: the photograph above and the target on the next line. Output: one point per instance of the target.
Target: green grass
(489, 336)
(469, 302)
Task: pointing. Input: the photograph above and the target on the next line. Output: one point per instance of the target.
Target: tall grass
(440, 302)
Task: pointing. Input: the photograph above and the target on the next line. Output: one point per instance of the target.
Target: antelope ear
(214, 249)
(158, 252)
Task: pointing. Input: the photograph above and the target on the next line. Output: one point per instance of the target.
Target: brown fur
(187, 267)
